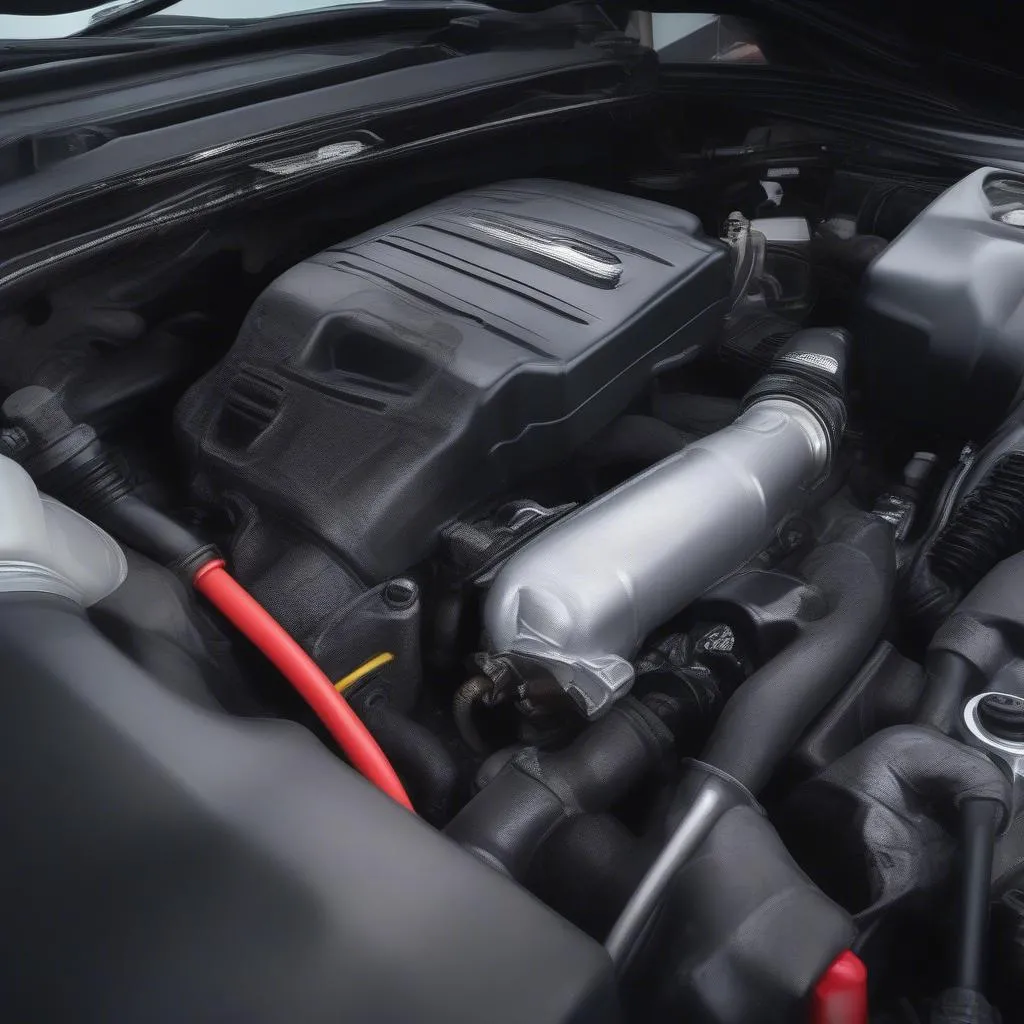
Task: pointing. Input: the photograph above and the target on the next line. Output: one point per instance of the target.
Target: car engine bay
(667, 538)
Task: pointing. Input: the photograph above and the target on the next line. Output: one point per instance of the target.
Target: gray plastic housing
(581, 598)
(940, 324)
(48, 548)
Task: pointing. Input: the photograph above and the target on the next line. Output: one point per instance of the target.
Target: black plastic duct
(536, 792)
(853, 570)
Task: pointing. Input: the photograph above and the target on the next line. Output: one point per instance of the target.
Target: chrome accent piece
(1012, 754)
(1006, 753)
(587, 262)
(335, 153)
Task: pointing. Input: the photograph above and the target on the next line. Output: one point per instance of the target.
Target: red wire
(252, 619)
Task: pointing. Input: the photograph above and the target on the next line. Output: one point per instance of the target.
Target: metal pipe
(579, 600)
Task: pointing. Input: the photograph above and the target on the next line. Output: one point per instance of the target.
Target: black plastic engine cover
(385, 385)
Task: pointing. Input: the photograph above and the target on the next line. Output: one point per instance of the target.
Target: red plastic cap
(841, 996)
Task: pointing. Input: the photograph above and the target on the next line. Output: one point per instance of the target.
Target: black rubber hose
(505, 824)
(978, 822)
(590, 853)
(854, 569)
(811, 370)
(472, 693)
(154, 533)
(420, 758)
(947, 684)
(70, 462)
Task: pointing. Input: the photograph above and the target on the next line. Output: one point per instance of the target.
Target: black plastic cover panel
(170, 864)
(383, 386)
(941, 330)
(758, 934)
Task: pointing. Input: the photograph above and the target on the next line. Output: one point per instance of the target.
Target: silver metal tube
(581, 598)
(710, 803)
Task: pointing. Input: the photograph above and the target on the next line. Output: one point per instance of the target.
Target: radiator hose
(536, 791)
(853, 571)
(419, 757)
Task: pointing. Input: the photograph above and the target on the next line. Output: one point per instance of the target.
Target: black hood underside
(963, 48)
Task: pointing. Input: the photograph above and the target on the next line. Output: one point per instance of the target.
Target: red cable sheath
(255, 622)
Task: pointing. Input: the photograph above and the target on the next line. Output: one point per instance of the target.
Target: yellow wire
(364, 670)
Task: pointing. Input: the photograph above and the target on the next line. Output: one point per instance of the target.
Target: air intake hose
(521, 807)
(853, 570)
(576, 603)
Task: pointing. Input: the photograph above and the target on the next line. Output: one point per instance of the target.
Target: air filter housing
(941, 325)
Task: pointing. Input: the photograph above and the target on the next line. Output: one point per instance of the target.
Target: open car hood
(967, 50)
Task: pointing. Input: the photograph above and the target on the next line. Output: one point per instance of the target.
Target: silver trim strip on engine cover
(589, 262)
